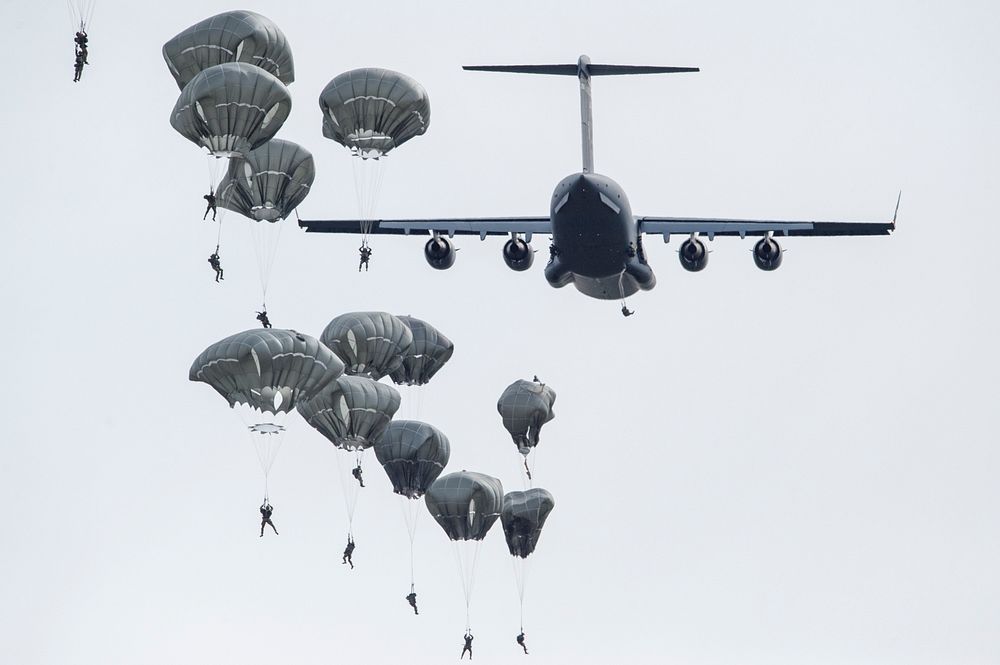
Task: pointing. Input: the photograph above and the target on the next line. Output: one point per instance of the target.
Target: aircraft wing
(475, 226)
(667, 226)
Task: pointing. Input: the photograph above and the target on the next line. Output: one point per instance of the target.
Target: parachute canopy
(465, 504)
(371, 111)
(370, 343)
(413, 454)
(523, 517)
(231, 108)
(270, 182)
(352, 412)
(525, 406)
(236, 36)
(430, 351)
(268, 369)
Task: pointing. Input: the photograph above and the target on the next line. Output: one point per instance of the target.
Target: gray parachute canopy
(352, 412)
(430, 351)
(370, 343)
(236, 36)
(268, 369)
(413, 454)
(465, 504)
(525, 406)
(523, 517)
(371, 111)
(231, 108)
(270, 182)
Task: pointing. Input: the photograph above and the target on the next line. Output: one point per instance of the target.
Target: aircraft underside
(595, 241)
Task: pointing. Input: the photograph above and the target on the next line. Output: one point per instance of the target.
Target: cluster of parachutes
(333, 383)
(232, 70)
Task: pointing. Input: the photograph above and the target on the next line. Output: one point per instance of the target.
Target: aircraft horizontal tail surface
(575, 70)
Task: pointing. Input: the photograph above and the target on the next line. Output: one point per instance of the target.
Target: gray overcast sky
(788, 467)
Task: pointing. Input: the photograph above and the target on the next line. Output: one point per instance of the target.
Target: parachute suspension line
(81, 13)
(520, 566)
(410, 508)
(467, 572)
(369, 174)
(350, 489)
(265, 244)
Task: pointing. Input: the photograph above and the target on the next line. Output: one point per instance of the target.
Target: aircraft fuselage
(596, 246)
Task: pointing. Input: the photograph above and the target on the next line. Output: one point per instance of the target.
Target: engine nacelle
(440, 253)
(693, 255)
(767, 254)
(518, 255)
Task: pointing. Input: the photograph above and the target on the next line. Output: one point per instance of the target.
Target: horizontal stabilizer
(563, 70)
(574, 70)
(615, 70)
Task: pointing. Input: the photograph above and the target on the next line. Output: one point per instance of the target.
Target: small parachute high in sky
(371, 112)
(371, 344)
(465, 505)
(266, 372)
(231, 108)
(413, 455)
(525, 406)
(523, 516)
(429, 352)
(234, 36)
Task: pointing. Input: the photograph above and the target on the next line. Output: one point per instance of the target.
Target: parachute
(413, 455)
(352, 412)
(267, 369)
(270, 182)
(234, 36)
(522, 517)
(370, 112)
(525, 406)
(465, 505)
(430, 351)
(231, 108)
(267, 372)
(371, 344)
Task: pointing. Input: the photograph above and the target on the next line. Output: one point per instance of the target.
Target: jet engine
(693, 255)
(767, 254)
(440, 253)
(518, 255)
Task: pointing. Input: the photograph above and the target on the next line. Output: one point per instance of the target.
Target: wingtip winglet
(895, 212)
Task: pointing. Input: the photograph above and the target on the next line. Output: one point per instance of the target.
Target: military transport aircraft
(596, 240)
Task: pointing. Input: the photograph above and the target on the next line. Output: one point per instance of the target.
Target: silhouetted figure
(264, 321)
(520, 642)
(348, 552)
(265, 517)
(81, 39)
(526, 469)
(412, 600)
(536, 379)
(213, 260)
(468, 645)
(210, 198)
(626, 311)
(78, 66)
(366, 253)
(356, 472)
